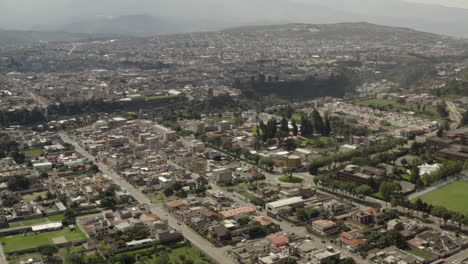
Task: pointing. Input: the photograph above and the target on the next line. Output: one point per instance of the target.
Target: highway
(217, 254)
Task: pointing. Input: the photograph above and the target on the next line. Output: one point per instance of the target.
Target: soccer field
(453, 196)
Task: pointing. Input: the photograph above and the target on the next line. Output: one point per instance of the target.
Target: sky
(450, 3)
(28, 14)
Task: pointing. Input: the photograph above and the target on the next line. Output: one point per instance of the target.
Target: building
(371, 176)
(223, 176)
(170, 136)
(292, 161)
(426, 169)
(455, 152)
(274, 258)
(43, 166)
(249, 209)
(324, 227)
(273, 208)
(328, 255)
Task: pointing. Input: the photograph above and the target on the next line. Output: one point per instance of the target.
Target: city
(279, 144)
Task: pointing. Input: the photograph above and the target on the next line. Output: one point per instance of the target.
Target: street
(217, 254)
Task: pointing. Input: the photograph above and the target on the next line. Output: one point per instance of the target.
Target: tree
(295, 127)
(290, 144)
(18, 183)
(168, 192)
(318, 122)
(266, 163)
(388, 189)
(301, 214)
(415, 177)
(17, 156)
(48, 250)
(440, 212)
(442, 109)
(464, 120)
(364, 190)
(327, 127)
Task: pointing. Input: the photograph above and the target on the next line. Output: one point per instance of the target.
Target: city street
(217, 254)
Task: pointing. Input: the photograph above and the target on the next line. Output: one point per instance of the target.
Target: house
(278, 243)
(324, 227)
(352, 240)
(219, 232)
(274, 258)
(328, 255)
(249, 209)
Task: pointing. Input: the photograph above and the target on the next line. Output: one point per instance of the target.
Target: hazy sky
(452, 3)
(23, 14)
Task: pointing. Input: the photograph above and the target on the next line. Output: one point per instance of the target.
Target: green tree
(18, 183)
(295, 127)
(318, 122)
(439, 212)
(388, 190)
(267, 163)
(290, 144)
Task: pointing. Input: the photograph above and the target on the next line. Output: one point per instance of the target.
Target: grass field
(420, 253)
(158, 198)
(452, 196)
(31, 240)
(287, 179)
(36, 221)
(32, 152)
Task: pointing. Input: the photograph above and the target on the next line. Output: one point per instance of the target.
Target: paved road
(454, 114)
(458, 258)
(217, 254)
(3, 258)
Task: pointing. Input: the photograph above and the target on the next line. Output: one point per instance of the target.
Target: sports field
(453, 196)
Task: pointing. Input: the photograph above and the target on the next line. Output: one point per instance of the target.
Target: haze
(437, 16)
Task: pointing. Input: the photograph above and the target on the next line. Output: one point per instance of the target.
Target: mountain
(343, 32)
(12, 37)
(176, 16)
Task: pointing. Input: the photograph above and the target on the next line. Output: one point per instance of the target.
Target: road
(454, 114)
(3, 258)
(458, 258)
(217, 254)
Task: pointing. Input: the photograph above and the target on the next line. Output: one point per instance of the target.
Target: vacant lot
(31, 240)
(452, 196)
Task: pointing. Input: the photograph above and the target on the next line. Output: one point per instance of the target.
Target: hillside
(343, 31)
(12, 37)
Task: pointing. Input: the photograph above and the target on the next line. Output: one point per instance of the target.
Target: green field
(32, 152)
(158, 97)
(36, 221)
(452, 196)
(31, 240)
(287, 179)
(420, 253)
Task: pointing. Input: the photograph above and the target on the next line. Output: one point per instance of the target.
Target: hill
(12, 37)
(343, 31)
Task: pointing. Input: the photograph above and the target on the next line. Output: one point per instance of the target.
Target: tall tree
(318, 122)
(295, 128)
(327, 127)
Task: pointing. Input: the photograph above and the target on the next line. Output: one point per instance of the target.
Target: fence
(432, 188)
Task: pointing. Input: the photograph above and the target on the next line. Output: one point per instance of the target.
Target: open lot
(452, 196)
(31, 240)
